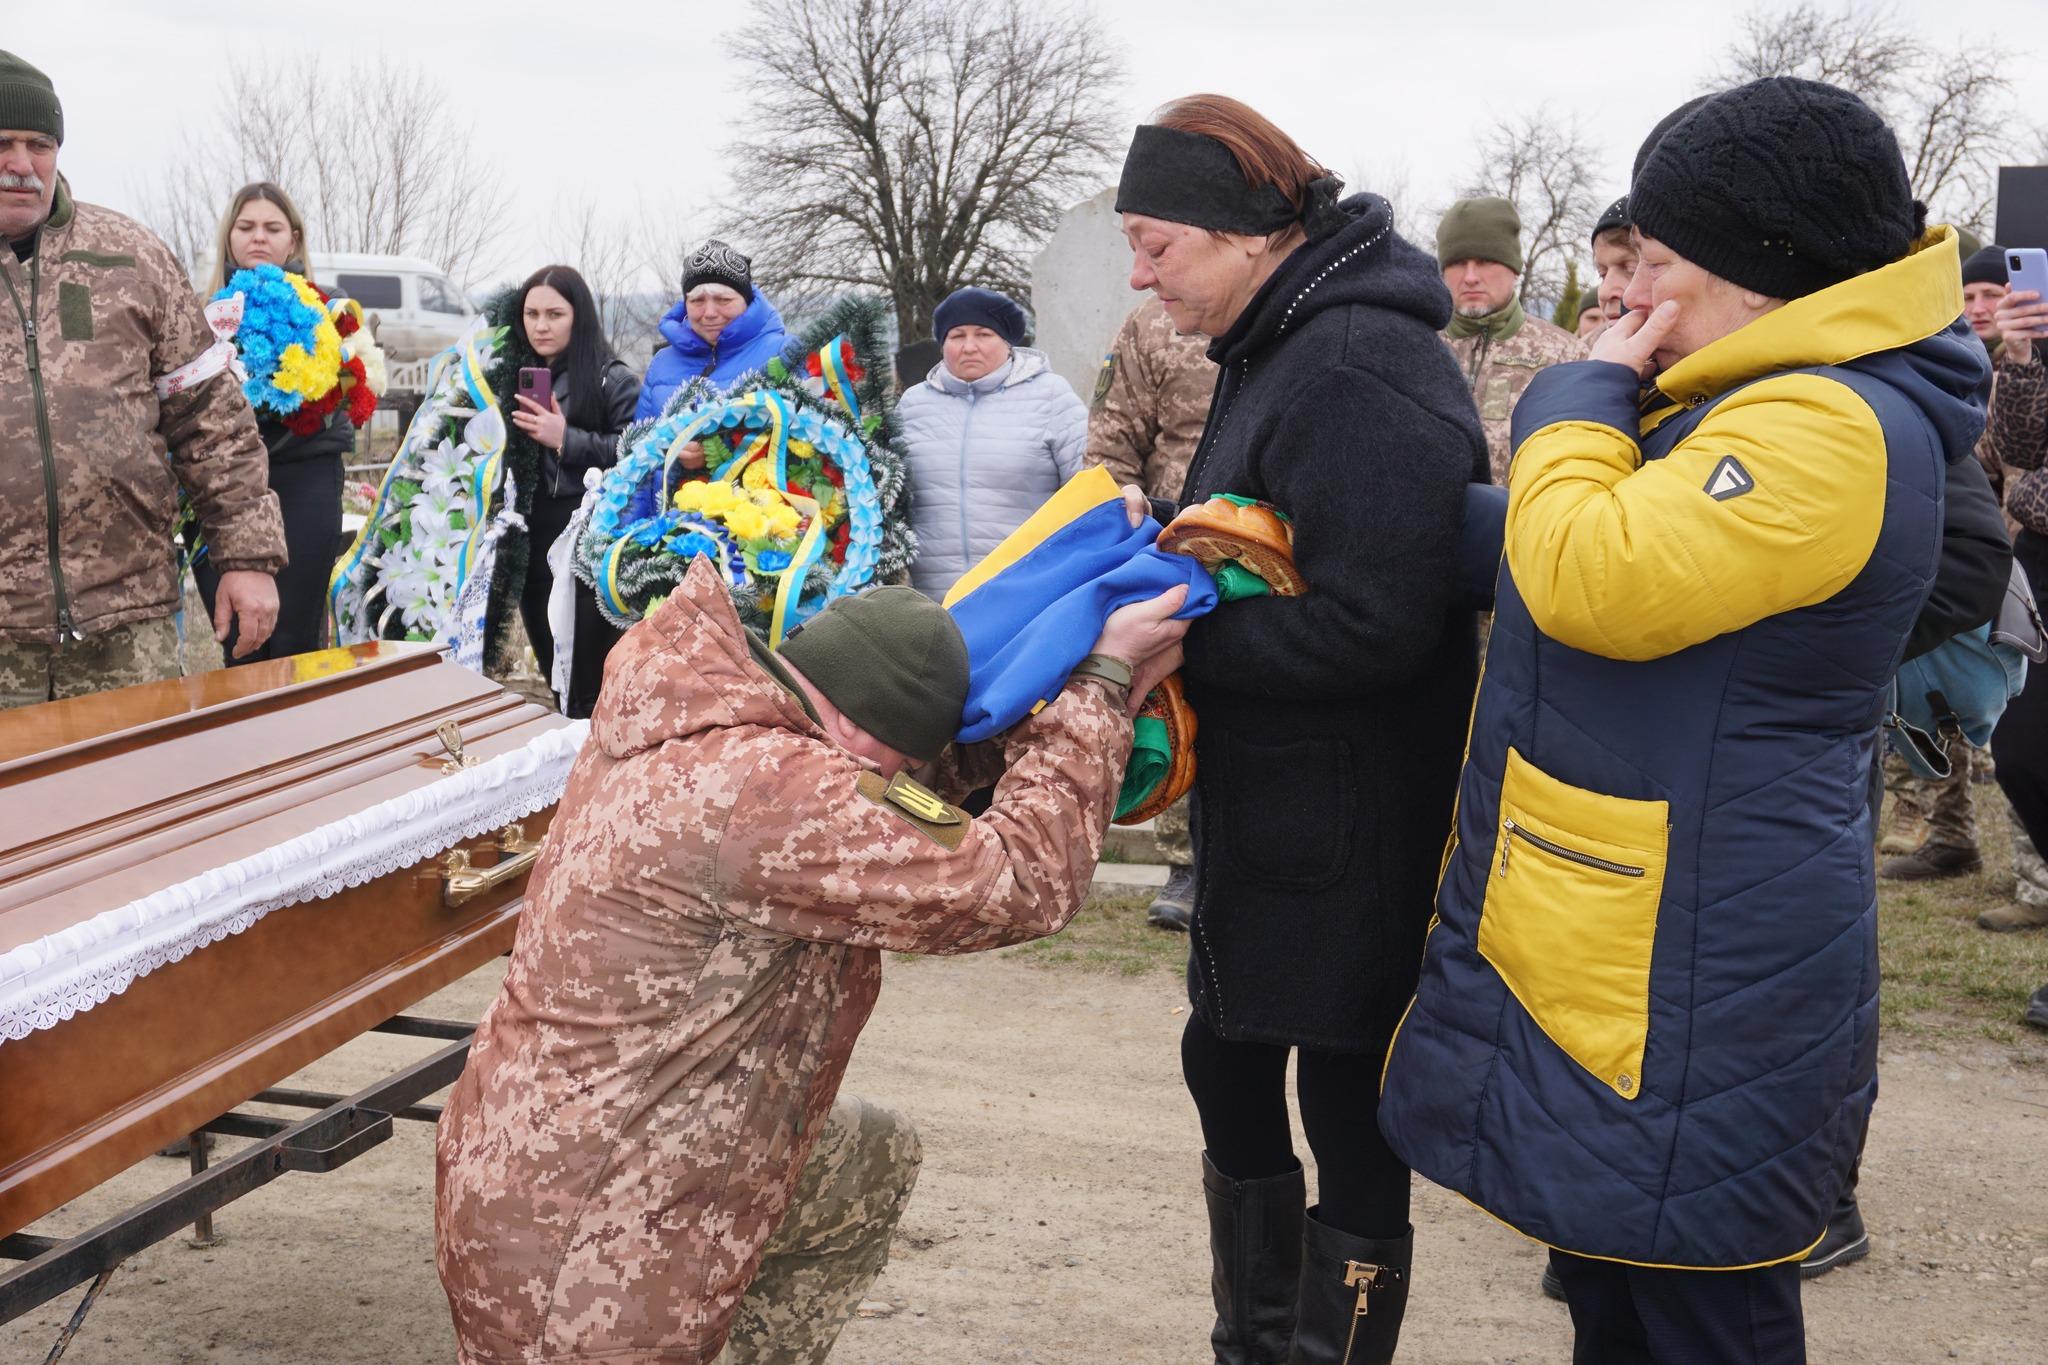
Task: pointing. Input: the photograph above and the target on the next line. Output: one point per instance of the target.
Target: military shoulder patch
(944, 825)
(1729, 480)
(1104, 377)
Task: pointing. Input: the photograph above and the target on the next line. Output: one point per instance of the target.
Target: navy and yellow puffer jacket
(1646, 1028)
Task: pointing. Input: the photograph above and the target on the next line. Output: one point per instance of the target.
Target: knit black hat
(27, 99)
(893, 662)
(1986, 266)
(1615, 215)
(999, 313)
(1783, 186)
(716, 263)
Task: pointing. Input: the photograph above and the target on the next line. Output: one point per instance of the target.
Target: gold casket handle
(461, 883)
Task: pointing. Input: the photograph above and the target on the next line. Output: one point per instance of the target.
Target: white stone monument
(1081, 290)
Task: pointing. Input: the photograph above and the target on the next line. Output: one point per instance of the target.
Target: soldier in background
(1479, 248)
(1151, 403)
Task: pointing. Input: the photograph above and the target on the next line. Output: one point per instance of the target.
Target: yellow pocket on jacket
(1571, 914)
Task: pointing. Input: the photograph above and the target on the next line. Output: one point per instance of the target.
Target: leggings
(2019, 747)
(1240, 1092)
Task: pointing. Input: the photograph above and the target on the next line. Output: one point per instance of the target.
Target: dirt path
(1059, 1214)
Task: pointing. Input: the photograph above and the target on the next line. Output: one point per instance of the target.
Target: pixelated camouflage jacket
(91, 460)
(1498, 371)
(1151, 402)
(700, 946)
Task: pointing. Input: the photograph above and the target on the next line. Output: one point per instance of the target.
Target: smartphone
(537, 383)
(2026, 267)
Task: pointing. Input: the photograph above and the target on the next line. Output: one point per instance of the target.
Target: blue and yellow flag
(1031, 610)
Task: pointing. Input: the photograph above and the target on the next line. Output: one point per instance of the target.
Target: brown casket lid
(105, 799)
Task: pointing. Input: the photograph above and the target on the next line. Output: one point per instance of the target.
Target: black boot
(1353, 1293)
(1255, 1244)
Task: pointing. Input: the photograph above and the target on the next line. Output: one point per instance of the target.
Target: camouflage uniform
(113, 313)
(141, 652)
(1499, 359)
(1151, 402)
(700, 947)
(1927, 810)
(2029, 872)
(833, 1242)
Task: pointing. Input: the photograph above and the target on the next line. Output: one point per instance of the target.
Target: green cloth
(1234, 582)
(1486, 229)
(1151, 756)
(27, 99)
(1497, 326)
(1242, 501)
(892, 661)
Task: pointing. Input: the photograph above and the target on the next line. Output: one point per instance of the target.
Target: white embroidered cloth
(46, 982)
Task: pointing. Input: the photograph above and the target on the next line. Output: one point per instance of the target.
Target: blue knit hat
(970, 307)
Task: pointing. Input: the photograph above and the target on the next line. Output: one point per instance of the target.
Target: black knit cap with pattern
(1782, 186)
(716, 263)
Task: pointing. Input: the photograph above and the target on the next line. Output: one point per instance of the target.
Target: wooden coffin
(106, 801)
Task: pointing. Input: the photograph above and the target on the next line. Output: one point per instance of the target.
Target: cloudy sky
(629, 104)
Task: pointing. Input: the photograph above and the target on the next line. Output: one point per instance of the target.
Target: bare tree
(1542, 164)
(914, 146)
(1952, 109)
(389, 170)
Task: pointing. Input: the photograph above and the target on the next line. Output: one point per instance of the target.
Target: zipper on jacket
(66, 628)
(1570, 855)
(966, 544)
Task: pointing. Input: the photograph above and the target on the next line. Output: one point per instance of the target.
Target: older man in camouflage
(1479, 247)
(1151, 403)
(701, 945)
(113, 397)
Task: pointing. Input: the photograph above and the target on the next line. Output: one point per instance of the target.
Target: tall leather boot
(1353, 1293)
(1255, 1245)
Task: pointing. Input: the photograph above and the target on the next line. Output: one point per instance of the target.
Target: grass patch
(1110, 936)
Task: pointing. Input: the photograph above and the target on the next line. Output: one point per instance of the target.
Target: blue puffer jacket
(1646, 1028)
(753, 339)
(982, 457)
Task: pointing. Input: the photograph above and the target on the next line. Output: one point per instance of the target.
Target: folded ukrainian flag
(1031, 610)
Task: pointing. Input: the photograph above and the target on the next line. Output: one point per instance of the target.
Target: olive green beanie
(1486, 229)
(27, 99)
(892, 661)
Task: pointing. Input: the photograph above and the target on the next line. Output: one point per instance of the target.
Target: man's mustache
(31, 181)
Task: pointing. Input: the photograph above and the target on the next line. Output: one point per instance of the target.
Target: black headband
(1192, 178)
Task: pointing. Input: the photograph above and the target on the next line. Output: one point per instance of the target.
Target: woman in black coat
(1332, 724)
(263, 227)
(594, 391)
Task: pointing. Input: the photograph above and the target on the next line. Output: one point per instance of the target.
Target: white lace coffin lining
(46, 982)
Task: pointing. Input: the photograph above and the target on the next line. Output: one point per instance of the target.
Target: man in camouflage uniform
(113, 397)
(1151, 403)
(1479, 247)
(701, 945)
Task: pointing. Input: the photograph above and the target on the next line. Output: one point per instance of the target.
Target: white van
(414, 307)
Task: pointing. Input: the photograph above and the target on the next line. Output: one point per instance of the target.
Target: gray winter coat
(983, 456)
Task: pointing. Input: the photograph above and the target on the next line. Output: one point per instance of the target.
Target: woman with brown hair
(1332, 724)
(263, 227)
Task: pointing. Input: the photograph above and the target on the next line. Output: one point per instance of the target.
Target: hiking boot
(2003, 919)
(1906, 834)
(2037, 1009)
(1932, 862)
(1175, 904)
(1844, 1241)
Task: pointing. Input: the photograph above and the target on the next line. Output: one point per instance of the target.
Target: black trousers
(309, 495)
(1634, 1315)
(1240, 1094)
(595, 636)
(2019, 747)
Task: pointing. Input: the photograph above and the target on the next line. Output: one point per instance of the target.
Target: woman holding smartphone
(263, 227)
(1332, 724)
(575, 415)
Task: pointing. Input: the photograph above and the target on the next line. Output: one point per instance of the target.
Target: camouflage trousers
(2029, 872)
(834, 1240)
(1941, 806)
(139, 652)
(1170, 834)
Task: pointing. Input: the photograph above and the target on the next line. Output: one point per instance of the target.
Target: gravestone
(2022, 206)
(1081, 290)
